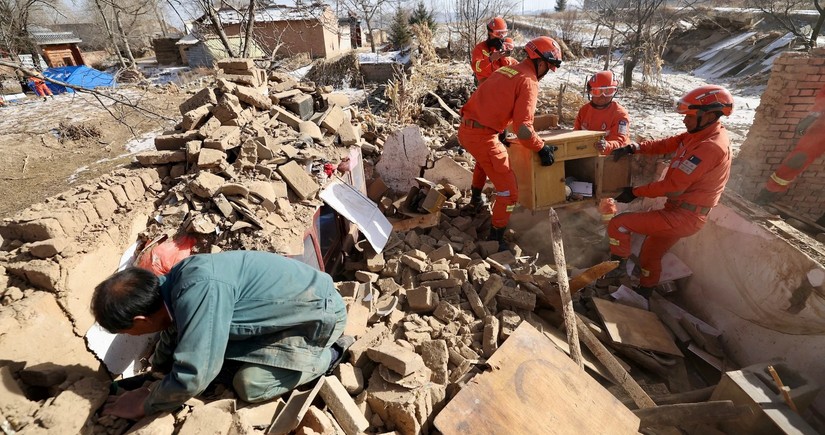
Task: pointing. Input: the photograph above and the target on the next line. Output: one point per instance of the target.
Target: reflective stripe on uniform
(779, 181)
(624, 230)
(503, 193)
(645, 272)
(614, 242)
(510, 208)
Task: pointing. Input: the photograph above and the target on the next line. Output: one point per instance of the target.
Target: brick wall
(795, 79)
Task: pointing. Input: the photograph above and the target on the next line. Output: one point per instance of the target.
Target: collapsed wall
(795, 79)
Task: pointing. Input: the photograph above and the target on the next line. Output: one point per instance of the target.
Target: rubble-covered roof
(275, 13)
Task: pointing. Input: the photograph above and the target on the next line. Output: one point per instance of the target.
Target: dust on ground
(36, 164)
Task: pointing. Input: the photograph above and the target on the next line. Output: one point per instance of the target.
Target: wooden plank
(564, 289)
(591, 274)
(636, 328)
(560, 340)
(528, 375)
(553, 137)
(444, 106)
(691, 413)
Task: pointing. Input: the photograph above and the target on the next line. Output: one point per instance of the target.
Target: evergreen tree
(561, 5)
(423, 16)
(400, 34)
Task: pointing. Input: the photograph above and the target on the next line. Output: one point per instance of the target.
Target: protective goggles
(608, 91)
(499, 33)
(551, 59)
(685, 108)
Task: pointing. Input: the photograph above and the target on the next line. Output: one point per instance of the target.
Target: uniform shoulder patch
(506, 70)
(689, 165)
(623, 127)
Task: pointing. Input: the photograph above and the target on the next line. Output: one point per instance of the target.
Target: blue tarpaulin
(78, 76)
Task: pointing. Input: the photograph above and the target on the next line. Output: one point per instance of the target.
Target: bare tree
(15, 18)
(643, 26)
(472, 17)
(781, 12)
(367, 10)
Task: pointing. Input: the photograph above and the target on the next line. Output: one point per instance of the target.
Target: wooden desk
(542, 187)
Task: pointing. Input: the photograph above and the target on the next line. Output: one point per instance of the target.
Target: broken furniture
(754, 386)
(534, 388)
(542, 187)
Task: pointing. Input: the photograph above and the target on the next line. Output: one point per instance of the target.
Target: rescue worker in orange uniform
(40, 88)
(810, 146)
(604, 114)
(509, 95)
(489, 55)
(693, 185)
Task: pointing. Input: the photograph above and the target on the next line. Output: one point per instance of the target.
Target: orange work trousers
(662, 228)
(810, 146)
(492, 162)
(42, 90)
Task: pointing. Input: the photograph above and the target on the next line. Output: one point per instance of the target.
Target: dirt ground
(38, 160)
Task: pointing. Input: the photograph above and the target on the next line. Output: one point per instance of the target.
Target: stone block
(33, 231)
(280, 114)
(422, 299)
(351, 378)
(43, 375)
(433, 276)
(119, 195)
(436, 358)
(443, 252)
(206, 184)
(346, 412)
(253, 80)
(298, 180)
(446, 170)
(209, 128)
(253, 97)
(213, 418)
(70, 411)
(348, 133)
(363, 276)
(225, 137)
(446, 312)
(133, 188)
(414, 263)
(508, 321)
(104, 203)
(204, 97)
(301, 105)
(409, 411)
(228, 108)
(236, 65)
(442, 283)
(373, 336)
(333, 120)
(396, 358)
(150, 158)
(490, 288)
(475, 301)
(337, 99)
(211, 158)
(509, 297)
(490, 338)
(195, 118)
(48, 248)
(312, 130)
(170, 141)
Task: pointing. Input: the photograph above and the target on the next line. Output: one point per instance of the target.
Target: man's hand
(601, 145)
(626, 195)
(624, 151)
(502, 137)
(496, 55)
(806, 122)
(546, 154)
(128, 405)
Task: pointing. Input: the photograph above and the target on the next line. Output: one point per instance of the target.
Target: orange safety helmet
(497, 27)
(602, 83)
(704, 99)
(546, 49)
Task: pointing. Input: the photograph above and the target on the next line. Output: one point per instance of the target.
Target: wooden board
(635, 327)
(534, 388)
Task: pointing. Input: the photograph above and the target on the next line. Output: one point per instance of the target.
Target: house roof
(274, 13)
(44, 36)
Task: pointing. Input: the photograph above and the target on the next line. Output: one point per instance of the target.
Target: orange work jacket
(612, 120)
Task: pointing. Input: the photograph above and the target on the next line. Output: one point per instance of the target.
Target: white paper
(360, 210)
(627, 296)
(582, 188)
(120, 353)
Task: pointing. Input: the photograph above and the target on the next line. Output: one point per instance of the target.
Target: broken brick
(509, 297)
(346, 412)
(396, 358)
(193, 119)
(203, 97)
(225, 137)
(492, 286)
(422, 299)
(148, 158)
(301, 183)
(446, 311)
(509, 323)
(351, 378)
(436, 356)
(373, 336)
(475, 301)
(414, 263)
(491, 333)
(253, 97)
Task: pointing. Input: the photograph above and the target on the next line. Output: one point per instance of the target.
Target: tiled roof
(43, 36)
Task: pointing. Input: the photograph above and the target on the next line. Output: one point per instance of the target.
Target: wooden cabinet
(542, 187)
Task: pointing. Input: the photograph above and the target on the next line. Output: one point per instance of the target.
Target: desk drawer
(584, 148)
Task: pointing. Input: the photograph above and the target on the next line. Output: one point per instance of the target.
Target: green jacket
(255, 307)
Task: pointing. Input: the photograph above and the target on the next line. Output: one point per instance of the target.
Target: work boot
(646, 292)
(477, 202)
(339, 351)
(497, 234)
(765, 196)
(614, 276)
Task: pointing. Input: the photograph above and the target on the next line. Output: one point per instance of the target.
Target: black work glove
(626, 195)
(806, 122)
(502, 137)
(546, 155)
(624, 151)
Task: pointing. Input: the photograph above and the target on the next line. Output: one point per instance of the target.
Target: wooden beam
(591, 274)
(691, 413)
(425, 221)
(620, 375)
(564, 290)
(444, 106)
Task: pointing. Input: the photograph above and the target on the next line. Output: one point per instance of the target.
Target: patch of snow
(146, 142)
(299, 73)
(72, 178)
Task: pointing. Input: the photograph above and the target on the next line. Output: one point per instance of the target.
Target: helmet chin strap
(536, 65)
(701, 116)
